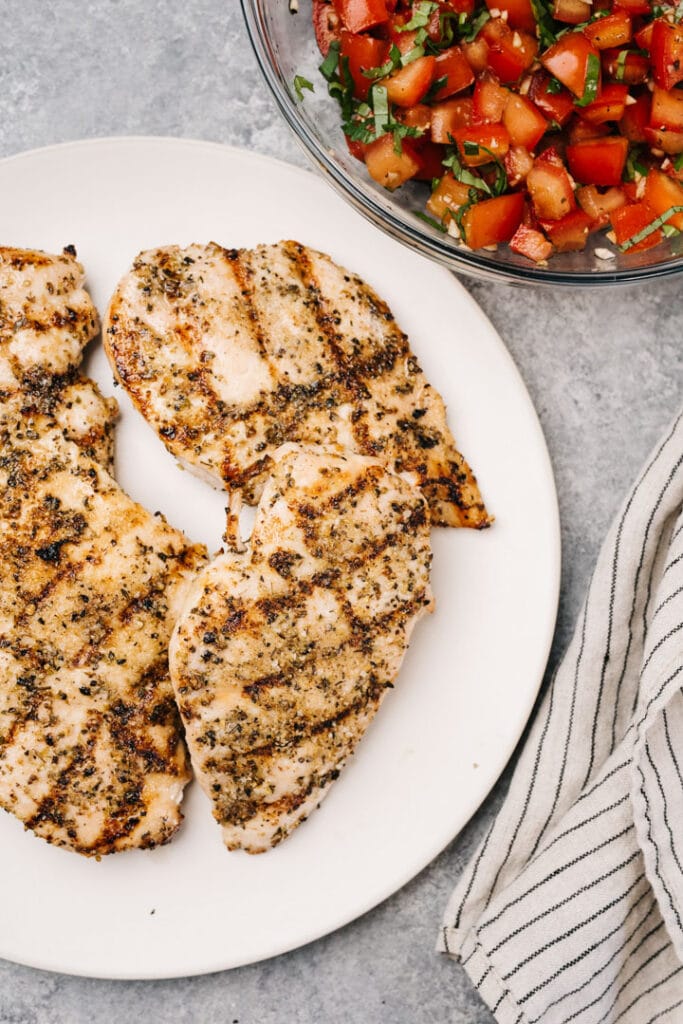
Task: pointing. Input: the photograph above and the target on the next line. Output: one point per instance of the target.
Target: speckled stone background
(604, 370)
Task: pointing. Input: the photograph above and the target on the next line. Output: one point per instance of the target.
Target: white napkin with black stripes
(572, 908)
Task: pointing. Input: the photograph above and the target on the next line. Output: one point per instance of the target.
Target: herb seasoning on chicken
(284, 651)
(230, 353)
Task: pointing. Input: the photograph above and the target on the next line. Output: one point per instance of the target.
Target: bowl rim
(458, 259)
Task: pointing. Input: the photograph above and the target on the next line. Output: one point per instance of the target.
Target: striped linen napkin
(572, 908)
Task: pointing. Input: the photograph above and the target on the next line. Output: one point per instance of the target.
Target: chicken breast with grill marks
(91, 749)
(285, 650)
(230, 353)
(46, 320)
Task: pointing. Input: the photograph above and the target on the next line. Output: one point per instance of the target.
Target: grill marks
(287, 650)
(91, 749)
(251, 349)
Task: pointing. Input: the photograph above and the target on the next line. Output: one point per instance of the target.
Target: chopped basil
(649, 229)
(620, 65)
(471, 148)
(328, 68)
(422, 12)
(385, 69)
(462, 174)
(429, 220)
(678, 13)
(434, 88)
(417, 50)
(301, 83)
(678, 162)
(553, 87)
(469, 29)
(380, 106)
(633, 164)
(590, 88)
(670, 231)
(545, 26)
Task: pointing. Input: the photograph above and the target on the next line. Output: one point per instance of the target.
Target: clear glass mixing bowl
(285, 46)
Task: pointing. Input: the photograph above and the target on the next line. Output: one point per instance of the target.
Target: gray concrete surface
(604, 370)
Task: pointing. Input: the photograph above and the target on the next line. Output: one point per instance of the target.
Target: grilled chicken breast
(91, 750)
(285, 650)
(230, 353)
(46, 320)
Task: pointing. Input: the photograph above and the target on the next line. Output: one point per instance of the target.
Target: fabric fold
(571, 909)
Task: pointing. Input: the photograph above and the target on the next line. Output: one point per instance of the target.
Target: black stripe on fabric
(670, 746)
(639, 567)
(484, 976)
(613, 587)
(570, 724)
(678, 558)
(662, 1013)
(676, 534)
(444, 931)
(580, 825)
(647, 992)
(553, 875)
(594, 1002)
(665, 602)
(468, 890)
(564, 902)
(527, 799)
(653, 700)
(663, 541)
(570, 931)
(662, 640)
(655, 848)
(599, 970)
(596, 785)
(590, 949)
(665, 813)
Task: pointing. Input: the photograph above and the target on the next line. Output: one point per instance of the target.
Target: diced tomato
(419, 116)
(629, 220)
(661, 193)
(459, 6)
(632, 69)
(359, 15)
(635, 7)
(520, 13)
(355, 148)
(609, 105)
(454, 67)
(363, 52)
(580, 130)
(667, 109)
(493, 220)
(449, 195)
(568, 61)
(669, 142)
(429, 157)
(388, 167)
(636, 118)
(524, 122)
(448, 116)
(488, 99)
(510, 53)
(479, 144)
(531, 243)
(550, 189)
(666, 51)
(598, 161)
(476, 54)
(326, 24)
(599, 205)
(518, 163)
(408, 85)
(558, 106)
(614, 30)
(643, 36)
(571, 12)
(569, 234)
(552, 154)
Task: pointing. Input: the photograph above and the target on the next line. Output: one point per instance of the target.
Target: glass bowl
(281, 34)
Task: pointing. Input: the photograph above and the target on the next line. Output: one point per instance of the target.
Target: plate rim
(553, 574)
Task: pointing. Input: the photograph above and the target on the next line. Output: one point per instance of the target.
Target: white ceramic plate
(473, 670)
